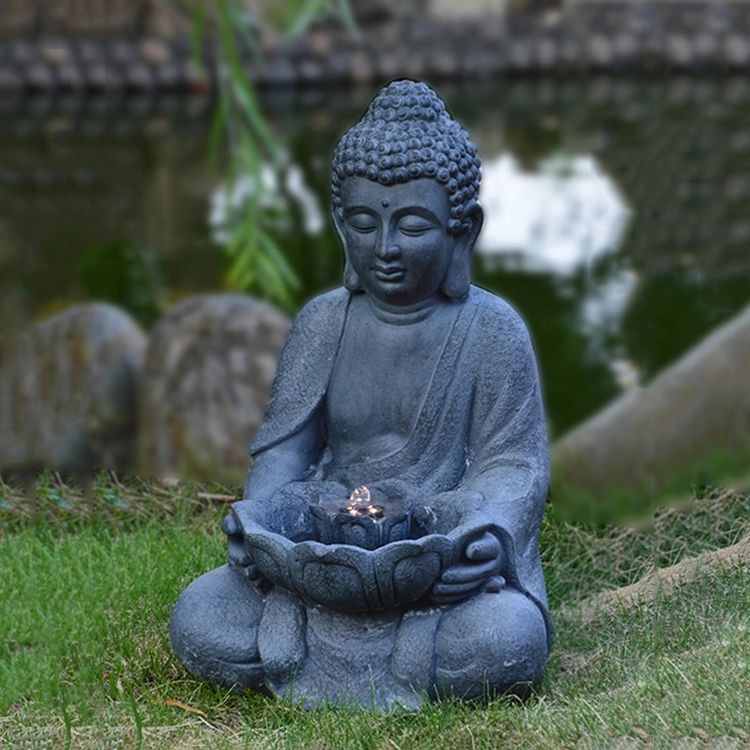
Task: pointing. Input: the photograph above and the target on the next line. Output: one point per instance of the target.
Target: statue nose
(389, 251)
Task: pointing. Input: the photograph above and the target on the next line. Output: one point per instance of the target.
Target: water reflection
(563, 216)
(602, 314)
(616, 213)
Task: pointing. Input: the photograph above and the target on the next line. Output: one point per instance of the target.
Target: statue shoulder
(498, 319)
(323, 310)
(504, 362)
(304, 367)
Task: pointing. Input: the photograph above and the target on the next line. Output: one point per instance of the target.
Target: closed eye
(414, 230)
(362, 224)
(363, 228)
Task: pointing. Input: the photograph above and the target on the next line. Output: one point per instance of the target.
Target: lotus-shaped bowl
(349, 578)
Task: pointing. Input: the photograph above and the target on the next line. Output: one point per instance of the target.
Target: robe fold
(480, 428)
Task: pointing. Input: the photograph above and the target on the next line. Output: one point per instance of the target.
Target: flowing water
(617, 218)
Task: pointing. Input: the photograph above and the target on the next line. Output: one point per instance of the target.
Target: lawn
(87, 587)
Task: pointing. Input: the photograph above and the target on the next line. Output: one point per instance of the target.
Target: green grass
(85, 658)
(580, 560)
(623, 504)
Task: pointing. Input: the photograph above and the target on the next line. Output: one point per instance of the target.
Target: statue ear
(458, 277)
(351, 279)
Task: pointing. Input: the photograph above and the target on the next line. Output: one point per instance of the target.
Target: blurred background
(164, 212)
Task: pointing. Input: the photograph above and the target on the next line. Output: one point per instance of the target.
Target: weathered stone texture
(432, 38)
(67, 392)
(208, 369)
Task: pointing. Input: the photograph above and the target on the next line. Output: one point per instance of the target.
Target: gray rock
(320, 44)
(70, 76)
(679, 51)
(90, 50)
(56, 51)
(169, 75)
(207, 372)
(10, 80)
(697, 406)
(520, 55)
(67, 392)
(387, 65)
(737, 50)
(103, 76)
(279, 72)
(705, 45)
(546, 49)
(361, 69)
(155, 51)
(22, 52)
(123, 51)
(600, 53)
(39, 76)
(310, 71)
(571, 50)
(139, 76)
(445, 62)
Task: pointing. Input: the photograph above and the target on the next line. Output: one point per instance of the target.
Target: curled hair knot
(406, 134)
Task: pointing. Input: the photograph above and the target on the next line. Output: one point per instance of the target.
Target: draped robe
(480, 428)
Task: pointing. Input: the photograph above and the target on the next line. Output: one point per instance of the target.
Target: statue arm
(497, 508)
(285, 462)
(291, 438)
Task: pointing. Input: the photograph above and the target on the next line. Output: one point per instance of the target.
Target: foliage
(240, 129)
(125, 274)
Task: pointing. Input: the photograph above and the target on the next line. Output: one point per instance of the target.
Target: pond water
(617, 212)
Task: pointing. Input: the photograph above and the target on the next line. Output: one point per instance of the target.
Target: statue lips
(389, 273)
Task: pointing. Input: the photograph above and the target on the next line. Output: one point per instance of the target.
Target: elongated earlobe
(458, 277)
(351, 279)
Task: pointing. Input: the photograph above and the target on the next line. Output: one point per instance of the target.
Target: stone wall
(28, 17)
(146, 46)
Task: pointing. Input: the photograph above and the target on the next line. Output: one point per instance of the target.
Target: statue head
(405, 179)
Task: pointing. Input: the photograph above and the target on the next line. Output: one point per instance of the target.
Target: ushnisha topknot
(407, 133)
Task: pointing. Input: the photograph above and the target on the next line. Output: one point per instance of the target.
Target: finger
(485, 548)
(238, 553)
(494, 585)
(238, 557)
(229, 525)
(456, 589)
(467, 573)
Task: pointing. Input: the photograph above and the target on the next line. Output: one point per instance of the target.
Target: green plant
(241, 132)
(85, 659)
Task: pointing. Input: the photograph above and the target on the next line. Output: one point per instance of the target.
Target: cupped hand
(237, 549)
(480, 562)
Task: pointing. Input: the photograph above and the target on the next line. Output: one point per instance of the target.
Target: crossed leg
(493, 642)
(214, 629)
(490, 643)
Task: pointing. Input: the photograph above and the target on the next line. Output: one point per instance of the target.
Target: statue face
(396, 237)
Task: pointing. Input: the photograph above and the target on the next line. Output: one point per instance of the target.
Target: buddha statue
(413, 383)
